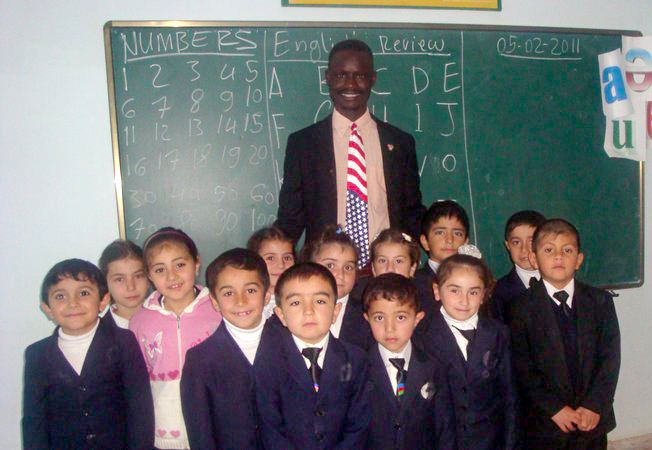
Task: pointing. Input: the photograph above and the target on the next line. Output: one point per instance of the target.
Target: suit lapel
(324, 153)
(479, 354)
(378, 372)
(417, 376)
(446, 343)
(296, 366)
(57, 360)
(388, 148)
(335, 366)
(584, 318)
(235, 356)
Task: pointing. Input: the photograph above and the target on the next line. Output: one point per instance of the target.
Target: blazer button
(90, 437)
(320, 413)
(85, 413)
(82, 388)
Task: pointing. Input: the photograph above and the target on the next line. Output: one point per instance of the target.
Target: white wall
(56, 170)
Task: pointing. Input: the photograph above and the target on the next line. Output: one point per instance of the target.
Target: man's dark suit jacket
(507, 290)
(293, 416)
(308, 197)
(482, 388)
(539, 359)
(423, 417)
(109, 405)
(218, 394)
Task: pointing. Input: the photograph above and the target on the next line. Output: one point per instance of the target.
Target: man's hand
(588, 419)
(566, 418)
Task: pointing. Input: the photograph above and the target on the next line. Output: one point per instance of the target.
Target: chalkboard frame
(350, 25)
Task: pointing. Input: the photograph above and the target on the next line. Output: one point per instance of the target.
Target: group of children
(275, 354)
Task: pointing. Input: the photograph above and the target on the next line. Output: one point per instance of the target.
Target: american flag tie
(357, 216)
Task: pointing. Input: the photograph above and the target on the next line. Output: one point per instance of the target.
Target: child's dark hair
(237, 258)
(77, 269)
(527, 217)
(453, 262)
(444, 208)
(116, 250)
(351, 44)
(272, 233)
(330, 234)
(168, 234)
(395, 236)
(393, 287)
(555, 226)
(304, 271)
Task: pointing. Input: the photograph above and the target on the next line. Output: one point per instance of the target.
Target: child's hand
(588, 419)
(566, 418)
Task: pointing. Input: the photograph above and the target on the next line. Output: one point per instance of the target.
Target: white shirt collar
(434, 265)
(406, 354)
(525, 275)
(569, 288)
(469, 324)
(336, 328)
(323, 344)
(119, 320)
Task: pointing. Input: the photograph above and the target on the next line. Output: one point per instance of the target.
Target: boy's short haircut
(119, 249)
(237, 258)
(444, 208)
(393, 287)
(527, 217)
(556, 227)
(77, 269)
(330, 234)
(303, 271)
(272, 233)
(351, 44)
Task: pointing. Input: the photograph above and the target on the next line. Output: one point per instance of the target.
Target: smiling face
(557, 258)
(74, 305)
(127, 284)
(341, 261)
(519, 245)
(350, 77)
(462, 293)
(393, 257)
(307, 308)
(240, 296)
(444, 238)
(392, 324)
(278, 256)
(172, 270)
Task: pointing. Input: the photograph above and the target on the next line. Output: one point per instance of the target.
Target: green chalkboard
(504, 118)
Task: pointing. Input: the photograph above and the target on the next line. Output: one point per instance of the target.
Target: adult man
(318, 161)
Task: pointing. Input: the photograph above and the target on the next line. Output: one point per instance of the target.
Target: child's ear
(580, 260)
(373, 270)
(466, 241)
(105, 301)
(413, 269)
(506, 245)
(197, 266)
(435, 291)
(366, 317)
(424, 242)
(336, 311)
(268, 296)
(214, 302)
(419, 317)
(532, 257)
(279, 313)
(47, 311)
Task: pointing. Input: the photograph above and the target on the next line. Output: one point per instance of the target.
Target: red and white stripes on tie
(357, 216)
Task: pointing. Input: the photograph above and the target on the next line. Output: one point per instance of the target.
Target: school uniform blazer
(423, 280)
(539, 359)
(482, 388)
(308, 197)
(355, 329)
(109, 405)
(218, 395)
(423, 417)
(294, 416)
(507, 289)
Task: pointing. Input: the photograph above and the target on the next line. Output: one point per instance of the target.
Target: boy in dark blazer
(311, 389)
(217, 384)
(518, 242)
(566, 346)
(86, 386)
(411, 407)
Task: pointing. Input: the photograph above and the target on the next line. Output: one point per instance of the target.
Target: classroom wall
(56, 172)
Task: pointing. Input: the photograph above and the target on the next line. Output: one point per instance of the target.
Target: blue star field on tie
(357, 216)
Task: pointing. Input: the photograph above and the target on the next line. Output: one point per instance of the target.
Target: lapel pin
(390, 147)
(428, 390)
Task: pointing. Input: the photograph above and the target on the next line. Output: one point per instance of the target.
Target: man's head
(350, 77)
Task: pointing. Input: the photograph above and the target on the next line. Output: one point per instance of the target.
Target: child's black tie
(312, 353)
(562, 296)
(401, 375)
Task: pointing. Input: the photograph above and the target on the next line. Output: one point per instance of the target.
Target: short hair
(458, 260)
(237, 258)
(119, 249)
(527, 217)
(555, 226)
(330, 234)
(396, 236)
(393, 287)
(304, 271)
(444, 208)
(272, 233)
(168, 235)
(351, 44)
(77, 269)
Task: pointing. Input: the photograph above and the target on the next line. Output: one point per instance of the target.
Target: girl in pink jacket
(177, 316)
